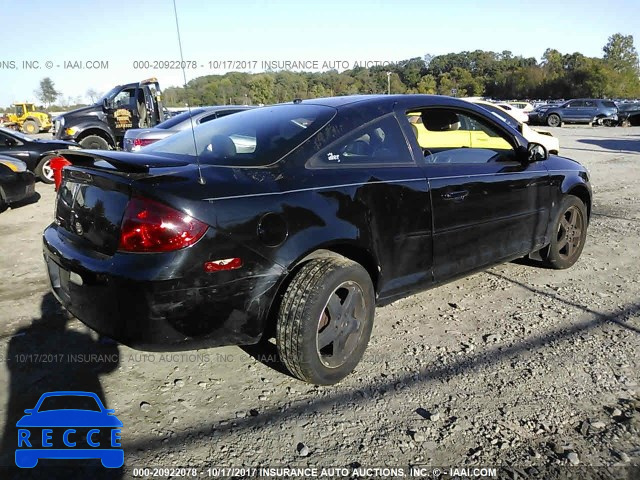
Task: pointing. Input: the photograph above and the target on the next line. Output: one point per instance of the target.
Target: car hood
(81, 111)
(69, 418)
(55, 143)
(90, 111)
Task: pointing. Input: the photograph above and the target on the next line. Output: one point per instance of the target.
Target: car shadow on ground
(266, 353)
(434, 374)
(614, 144)
(47, 356)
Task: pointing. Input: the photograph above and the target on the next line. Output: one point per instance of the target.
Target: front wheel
(44, 171)
(94, 142)
(554, 120)
(569, 234)
(325, 320)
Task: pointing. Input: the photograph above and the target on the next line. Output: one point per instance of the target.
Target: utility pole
(389, 83)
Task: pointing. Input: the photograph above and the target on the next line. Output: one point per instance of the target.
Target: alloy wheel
(341, 324)
(570, 232)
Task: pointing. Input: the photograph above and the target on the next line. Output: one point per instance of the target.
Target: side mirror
(536, 152)
(106, 104)
(29, 411)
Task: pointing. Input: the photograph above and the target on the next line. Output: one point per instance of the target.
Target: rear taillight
(150, 226)
(142, 142)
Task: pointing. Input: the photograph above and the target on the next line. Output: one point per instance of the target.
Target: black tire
(3, 204)
(43, 171)
(30, 127)
(568, 236)
(554, 120)
(94, 142)
(305, 319)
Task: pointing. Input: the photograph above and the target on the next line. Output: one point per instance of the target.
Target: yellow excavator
(28, 119)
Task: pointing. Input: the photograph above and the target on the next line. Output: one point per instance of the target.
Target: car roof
(380, 99)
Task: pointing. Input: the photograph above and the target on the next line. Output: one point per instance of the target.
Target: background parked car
(515, 112)
(136, 138)
(629, 114)
(580, 110)
(544, 138)
(16, 182)
(526, 107)
(36, 153)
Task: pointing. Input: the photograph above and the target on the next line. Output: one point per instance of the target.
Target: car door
(590, 111)
(487, 205)
(573, 111)
(123, 111)
(386, 191)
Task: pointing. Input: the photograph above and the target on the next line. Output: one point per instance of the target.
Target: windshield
(174, 121)
(250, 138)
(110, 94)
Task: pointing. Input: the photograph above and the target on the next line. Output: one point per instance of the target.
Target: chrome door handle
(458, 195)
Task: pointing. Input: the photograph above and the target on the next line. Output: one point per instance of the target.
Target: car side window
(589, 103)
(224, 113)
(450, 136)
(208, 118)
(126, 98)
(377, 143)
(577, 103)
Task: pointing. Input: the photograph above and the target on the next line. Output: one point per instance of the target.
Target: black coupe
(294, 221)
(36, 153)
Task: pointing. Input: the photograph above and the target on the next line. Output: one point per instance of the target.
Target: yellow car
(459, 131)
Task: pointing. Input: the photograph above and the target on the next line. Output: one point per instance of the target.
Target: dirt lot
(519, 367)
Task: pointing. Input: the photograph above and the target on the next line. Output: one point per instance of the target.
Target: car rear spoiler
(121, 161)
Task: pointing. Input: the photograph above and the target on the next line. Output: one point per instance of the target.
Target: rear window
(250, 138)
(181, 117)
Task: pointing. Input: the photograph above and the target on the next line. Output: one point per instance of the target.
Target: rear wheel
(325, 320)
(569, 234)
(554, 120)
(94, 142)
(44, 171)
(30, 127)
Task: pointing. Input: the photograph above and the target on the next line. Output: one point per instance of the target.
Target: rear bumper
(161, 302)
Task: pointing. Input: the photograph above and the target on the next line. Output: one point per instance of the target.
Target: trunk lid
(90, 207)
(96, 189)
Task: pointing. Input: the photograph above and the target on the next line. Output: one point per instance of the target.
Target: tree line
(478, 73)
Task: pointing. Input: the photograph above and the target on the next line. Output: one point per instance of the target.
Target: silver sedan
(136, 138)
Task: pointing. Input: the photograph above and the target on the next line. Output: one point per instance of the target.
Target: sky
(62, 39)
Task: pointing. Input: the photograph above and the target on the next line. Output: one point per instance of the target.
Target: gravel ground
(519, 367)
